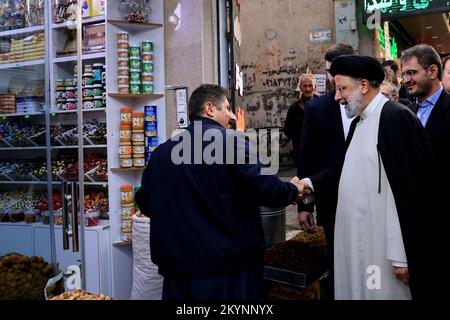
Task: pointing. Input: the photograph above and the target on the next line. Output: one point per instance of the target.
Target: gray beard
(354, 105)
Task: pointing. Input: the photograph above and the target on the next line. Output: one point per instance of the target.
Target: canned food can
(147, 67)
(123, 72)
(135, 52)
(122, 35)
(135, 76)
(97, 90)
(135, 88)
(150, 113)
(151, 129)
(123, 80)
(147, 87)
(135, 64)
(147, 77)
(98, 103)
(147, 46)
(124, 89)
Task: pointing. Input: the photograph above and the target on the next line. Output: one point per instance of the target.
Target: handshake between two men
(305, 190)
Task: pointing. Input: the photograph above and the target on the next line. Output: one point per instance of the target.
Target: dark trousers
(242, 285)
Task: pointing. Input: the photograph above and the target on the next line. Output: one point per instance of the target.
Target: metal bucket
(274, 225)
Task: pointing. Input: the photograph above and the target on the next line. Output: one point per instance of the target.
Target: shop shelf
(69, 24)
(115, 170)
(22, 64)
(135, 26)
(90, 56)
(25, 115)
(123, 243)
(135, 96)
(22, 30)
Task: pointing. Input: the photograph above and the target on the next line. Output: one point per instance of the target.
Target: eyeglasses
(408, 74)
(411, 73)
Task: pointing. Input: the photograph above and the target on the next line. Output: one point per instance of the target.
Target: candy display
(135, 10)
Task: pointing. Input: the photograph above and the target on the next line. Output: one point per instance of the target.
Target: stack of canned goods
(123, 71)
(137, 137)
(128, 210)
(151, 132)
(125, 149)
(147, 66)
(135, 70)
(66, 93)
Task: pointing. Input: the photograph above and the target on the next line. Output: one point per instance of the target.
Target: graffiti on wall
(269, 90)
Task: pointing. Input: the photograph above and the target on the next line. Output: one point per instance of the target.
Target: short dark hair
(203, 94)
(338, 49)
(444, 61)
(426, 56)
(390, 63)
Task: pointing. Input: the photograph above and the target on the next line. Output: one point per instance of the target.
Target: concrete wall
(275, 50)
(189, 49)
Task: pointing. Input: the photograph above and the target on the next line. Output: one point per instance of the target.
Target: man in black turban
(387, 157)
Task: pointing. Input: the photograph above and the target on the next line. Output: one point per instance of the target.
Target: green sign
(393, 9)
(392, 44)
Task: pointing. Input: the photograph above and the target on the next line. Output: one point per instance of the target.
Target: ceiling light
(429, 27)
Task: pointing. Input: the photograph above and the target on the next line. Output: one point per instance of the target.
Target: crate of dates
(94, 132)
(68, 138)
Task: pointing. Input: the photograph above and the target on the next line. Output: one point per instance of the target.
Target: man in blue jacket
(206, 235)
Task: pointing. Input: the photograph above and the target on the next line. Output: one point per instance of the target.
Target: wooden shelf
(135, 96)
(115, 170)
(122, 243)
(135, 26)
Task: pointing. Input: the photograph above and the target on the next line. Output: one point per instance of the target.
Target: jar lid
(125, 127)
(137, 114)
(126, 187)
(70, 88)
(125, 110)
(138, 156)
(138, 131)
(87, 98)
(71, 100)
(125, 143)
(99, 65)
(97, 85)
(87, 74)
(138, 144)
(98, 97)
(125, 156)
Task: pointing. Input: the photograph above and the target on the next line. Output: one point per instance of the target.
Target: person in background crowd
(294, 118)
(325, 128)
(379, 252)
(422, 74)
(389, 90)
(393, 73)
(206, 235)
(446, 73)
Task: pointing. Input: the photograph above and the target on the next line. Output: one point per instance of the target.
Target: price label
(53, 114)
(27, 116)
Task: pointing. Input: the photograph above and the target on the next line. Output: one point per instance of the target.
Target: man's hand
(302, 188)
(402, 274)
(240, 123)
(306, 221)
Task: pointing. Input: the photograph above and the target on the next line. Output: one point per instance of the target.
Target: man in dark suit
(422, 74)
(325, 127)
